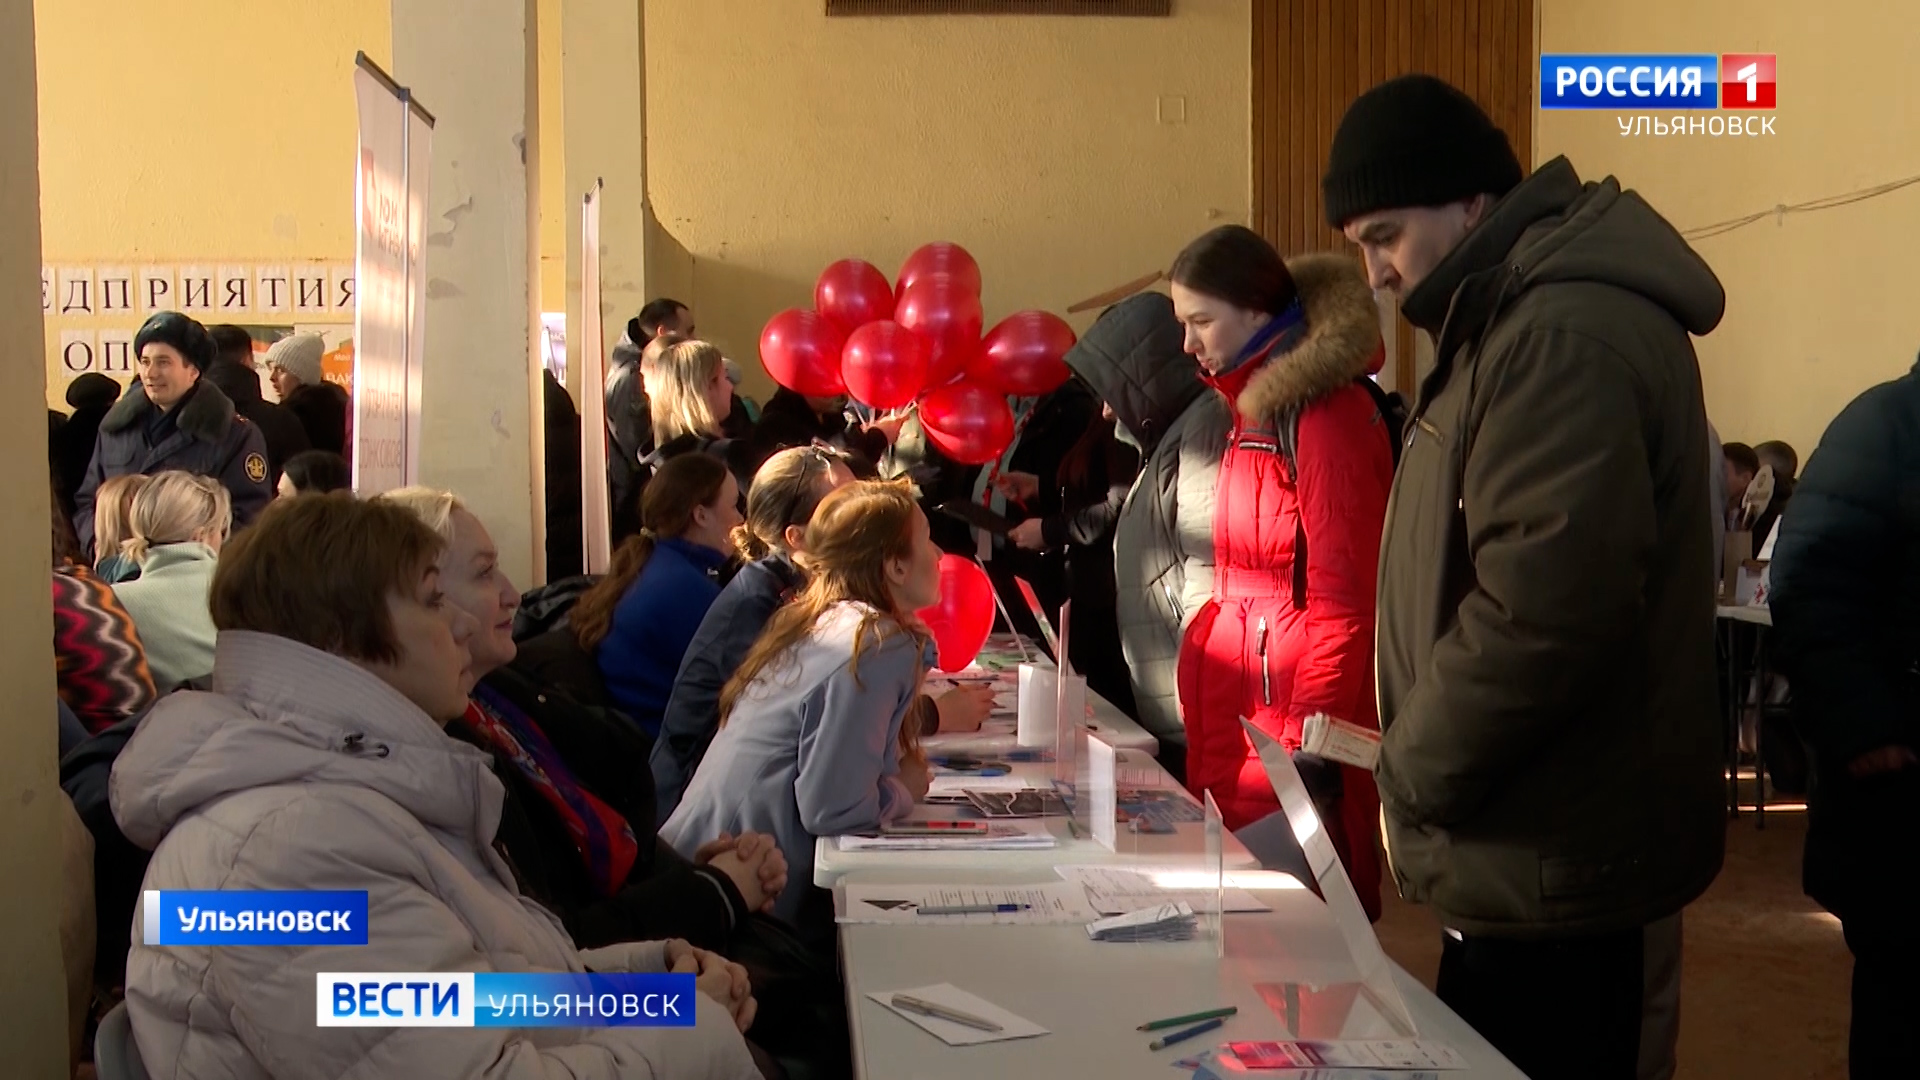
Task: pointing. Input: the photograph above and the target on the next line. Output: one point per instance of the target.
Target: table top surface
(1108, 722)
(1091, 995)
(1187, 844)
(1758, 614)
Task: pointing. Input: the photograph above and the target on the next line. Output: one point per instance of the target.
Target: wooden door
(1311, 58)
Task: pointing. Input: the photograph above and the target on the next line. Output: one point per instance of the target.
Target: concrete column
(33, 1015)
(603, 43)
(473, 64)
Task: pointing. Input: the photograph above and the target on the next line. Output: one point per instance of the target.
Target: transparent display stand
(1339, 989)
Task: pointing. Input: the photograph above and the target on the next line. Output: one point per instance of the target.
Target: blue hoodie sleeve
(849, 761)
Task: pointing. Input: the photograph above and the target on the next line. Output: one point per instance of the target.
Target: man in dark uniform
(170, 419)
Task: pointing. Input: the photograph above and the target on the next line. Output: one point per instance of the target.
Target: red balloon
(853, 293)
(963, 618)
(948, 318)
(1025, 355)
(884, 364)
(940, 258)
(801, 350)
(968, 422)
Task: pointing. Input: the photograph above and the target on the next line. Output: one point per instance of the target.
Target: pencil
(1165, 1041)
(1190, 1018)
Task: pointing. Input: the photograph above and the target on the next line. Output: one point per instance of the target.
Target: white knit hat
(300, 355)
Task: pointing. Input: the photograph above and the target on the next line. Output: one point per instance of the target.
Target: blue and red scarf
(604, 838)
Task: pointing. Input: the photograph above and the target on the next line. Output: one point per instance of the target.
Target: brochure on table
(1370, 1008)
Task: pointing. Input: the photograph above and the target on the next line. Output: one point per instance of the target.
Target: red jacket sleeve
(1345, 471)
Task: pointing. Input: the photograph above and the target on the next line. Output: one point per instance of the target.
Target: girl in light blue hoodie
(811, 739)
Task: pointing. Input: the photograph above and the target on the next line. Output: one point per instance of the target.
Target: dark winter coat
(719, 647)
(71, 448)
(206, 437)
(787, 420)
(566, 546)
(325, 411)
(1846, 616)
(629, 437)
(282, 430)
(664, 895)
(1552, 763)
(1163, 537)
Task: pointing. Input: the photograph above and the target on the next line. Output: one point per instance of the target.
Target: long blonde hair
(112, 507)
(786, 491)
(677, 392)
(178, 508)
(852, 535)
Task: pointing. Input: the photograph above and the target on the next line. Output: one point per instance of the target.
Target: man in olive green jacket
(1550, 767)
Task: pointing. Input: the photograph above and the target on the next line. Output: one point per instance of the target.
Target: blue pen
(1165, 1041)
(974, 909)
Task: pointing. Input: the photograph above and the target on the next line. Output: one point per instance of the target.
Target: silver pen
(941, 1012)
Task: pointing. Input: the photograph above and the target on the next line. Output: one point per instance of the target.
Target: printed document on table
(951, 996)
(899, 905)
(955, 783)
(1000, 836)
(1117, 890)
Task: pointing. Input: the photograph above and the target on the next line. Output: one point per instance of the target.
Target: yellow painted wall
(219, 131)
(214, 131)
(1819, 305)
(780, 140)
(553, 163)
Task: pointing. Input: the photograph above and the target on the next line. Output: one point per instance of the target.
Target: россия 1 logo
(1663, 83)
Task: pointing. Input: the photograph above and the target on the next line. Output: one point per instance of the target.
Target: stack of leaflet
(996, 837)
(1167, 922)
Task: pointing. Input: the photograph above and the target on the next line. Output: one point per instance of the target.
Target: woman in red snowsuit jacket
(1296, 530)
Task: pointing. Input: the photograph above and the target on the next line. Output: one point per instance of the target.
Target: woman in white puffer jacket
(319, 762)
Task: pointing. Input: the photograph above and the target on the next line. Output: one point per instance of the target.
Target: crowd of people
(267, 682)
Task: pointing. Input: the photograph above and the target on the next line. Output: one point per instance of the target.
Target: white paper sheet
(1116, 890)
(955, 783)
(1011, 1026)
(1004, 835)
(899, 905)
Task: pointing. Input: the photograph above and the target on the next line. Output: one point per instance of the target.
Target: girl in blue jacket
(637, 621)
(812, 740)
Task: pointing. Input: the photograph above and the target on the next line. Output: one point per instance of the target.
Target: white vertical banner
(390, 198)
(595, 526)
(419, 173)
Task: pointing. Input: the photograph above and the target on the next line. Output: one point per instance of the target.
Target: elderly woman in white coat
(318, 762)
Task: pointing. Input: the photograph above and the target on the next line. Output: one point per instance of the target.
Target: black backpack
(1393, 413)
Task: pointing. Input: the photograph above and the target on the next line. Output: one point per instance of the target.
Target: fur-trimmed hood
(1341, 339)
(207, 415)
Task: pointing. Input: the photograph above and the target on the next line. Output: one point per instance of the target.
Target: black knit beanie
(185, 334)
(1414, 141)
(92, 391)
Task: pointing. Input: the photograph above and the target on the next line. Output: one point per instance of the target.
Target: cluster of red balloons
(919, 339)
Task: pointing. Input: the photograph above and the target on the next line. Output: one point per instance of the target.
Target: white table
(1757, 614)
(1091, 995)
(1186, 845)
(1108, 722)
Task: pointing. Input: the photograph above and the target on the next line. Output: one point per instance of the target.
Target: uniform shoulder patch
(256, 468)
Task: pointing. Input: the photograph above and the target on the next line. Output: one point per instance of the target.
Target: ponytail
(592, 615)
(786, 491)
(748, 543)
(683, 485)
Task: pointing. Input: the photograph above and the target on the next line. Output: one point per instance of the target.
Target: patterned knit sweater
(101, 665)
